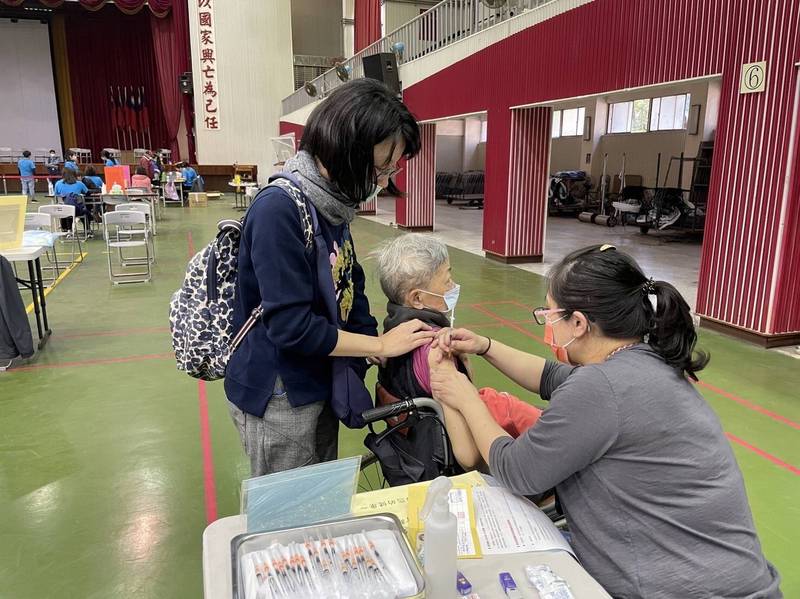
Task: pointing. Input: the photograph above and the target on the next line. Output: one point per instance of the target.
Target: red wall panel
(631, 43)
(416, 209)
(367, 23)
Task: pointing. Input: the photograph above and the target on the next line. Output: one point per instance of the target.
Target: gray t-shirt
(649, 483)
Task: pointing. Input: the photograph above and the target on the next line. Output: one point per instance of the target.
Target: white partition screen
(28, 113)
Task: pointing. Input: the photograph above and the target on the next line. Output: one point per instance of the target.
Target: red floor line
(117, 333)
(751, 405)
(95, 362)
(509, 323)
(209, 487)
(767, 456)
(743, 402)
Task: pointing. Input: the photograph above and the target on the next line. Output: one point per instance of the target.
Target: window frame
(651, 100)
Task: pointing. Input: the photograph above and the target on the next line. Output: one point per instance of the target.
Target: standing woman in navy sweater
(279, 380)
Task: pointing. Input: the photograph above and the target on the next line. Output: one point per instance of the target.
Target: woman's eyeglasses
(387, 173)
(540, 314)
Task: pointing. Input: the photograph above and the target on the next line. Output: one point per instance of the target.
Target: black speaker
(185, 82)
(383, 67)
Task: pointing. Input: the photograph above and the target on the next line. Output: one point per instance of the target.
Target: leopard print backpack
(201, 311)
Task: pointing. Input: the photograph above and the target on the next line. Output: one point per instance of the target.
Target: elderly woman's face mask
(450, 298)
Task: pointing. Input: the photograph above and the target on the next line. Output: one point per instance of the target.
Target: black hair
(69, 176)
(343, 131)
(89, 172)
(140, 170)
(26, 153)
(71, 155)
(105, 154)
(53, 151)
(609, 287)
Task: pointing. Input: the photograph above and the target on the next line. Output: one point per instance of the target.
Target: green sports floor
(112, 462)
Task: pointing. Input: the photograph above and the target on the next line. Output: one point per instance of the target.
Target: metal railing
(442, 25)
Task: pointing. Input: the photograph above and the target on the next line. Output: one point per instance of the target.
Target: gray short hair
(409, 262)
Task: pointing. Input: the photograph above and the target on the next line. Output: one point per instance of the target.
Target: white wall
(398, 14)
(254, 72)
(316, 28)
(28, 112)
(474, 148)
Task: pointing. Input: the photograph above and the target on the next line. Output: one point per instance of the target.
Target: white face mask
(376, 190)
(450, 298)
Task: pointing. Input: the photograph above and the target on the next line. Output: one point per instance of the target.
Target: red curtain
(367, 23)
(160, 8)
(107, 49)
(171, 53)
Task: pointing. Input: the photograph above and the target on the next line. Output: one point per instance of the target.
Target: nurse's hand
(404, 338)
(461, 341)
(451, 387)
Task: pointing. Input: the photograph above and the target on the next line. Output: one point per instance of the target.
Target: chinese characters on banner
(209, 96)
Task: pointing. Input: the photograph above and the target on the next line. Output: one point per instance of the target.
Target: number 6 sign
(754, 77)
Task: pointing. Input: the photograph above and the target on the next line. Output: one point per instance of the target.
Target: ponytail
(610, 288)
(672, 334)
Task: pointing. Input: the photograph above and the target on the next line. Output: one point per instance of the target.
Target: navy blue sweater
(294, 337)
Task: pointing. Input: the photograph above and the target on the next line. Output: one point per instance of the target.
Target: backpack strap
(291, 186)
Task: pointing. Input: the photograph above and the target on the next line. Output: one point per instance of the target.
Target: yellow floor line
(64, 273)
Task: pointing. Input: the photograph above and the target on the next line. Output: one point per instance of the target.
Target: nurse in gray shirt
(649, 483)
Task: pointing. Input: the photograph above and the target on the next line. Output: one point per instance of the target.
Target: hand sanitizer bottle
(440, 541)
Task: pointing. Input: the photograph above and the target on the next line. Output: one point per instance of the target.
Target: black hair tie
(649, 287)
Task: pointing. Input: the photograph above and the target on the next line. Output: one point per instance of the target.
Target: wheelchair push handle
(401, 407)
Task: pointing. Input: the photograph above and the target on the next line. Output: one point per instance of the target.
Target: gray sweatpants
(287, 437)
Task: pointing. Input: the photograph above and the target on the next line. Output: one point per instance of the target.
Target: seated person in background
(69, 189)
(92, 181)
(70, 163)
(27, 172)
(147, 163)
(142, 179)
(69, 184)
(188, 174)
(414, 272)
(108, 159)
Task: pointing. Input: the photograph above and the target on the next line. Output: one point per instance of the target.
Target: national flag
(130, 110)
(113, 108)
(144, 115)
(120, 116)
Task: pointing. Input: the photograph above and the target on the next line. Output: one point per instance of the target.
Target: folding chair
(147, 210)
(38, 221)
(62, 211)
(125, 229)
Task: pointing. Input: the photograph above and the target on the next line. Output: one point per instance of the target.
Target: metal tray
(255, 541)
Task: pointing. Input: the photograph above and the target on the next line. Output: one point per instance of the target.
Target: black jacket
(15, 331)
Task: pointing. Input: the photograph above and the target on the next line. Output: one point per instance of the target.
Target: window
(484, 127)
(568, 123)
(556, 123)
(645, 114)
(669, 112)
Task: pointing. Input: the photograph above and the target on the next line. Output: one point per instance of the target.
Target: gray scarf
(326, 198)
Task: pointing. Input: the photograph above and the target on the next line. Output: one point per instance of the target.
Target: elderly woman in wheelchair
(423, 436)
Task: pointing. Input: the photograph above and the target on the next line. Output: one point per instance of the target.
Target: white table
(32, 255)
(482, 573)
(240, 193)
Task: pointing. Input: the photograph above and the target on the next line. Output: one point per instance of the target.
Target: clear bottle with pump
(440, 541)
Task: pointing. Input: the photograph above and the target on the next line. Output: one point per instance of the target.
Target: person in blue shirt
(91, 180)
(67, 188)
(108, 159)
(69, 184)
(280, 380)
(188, 174)
(27, 172)
(70, 162)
